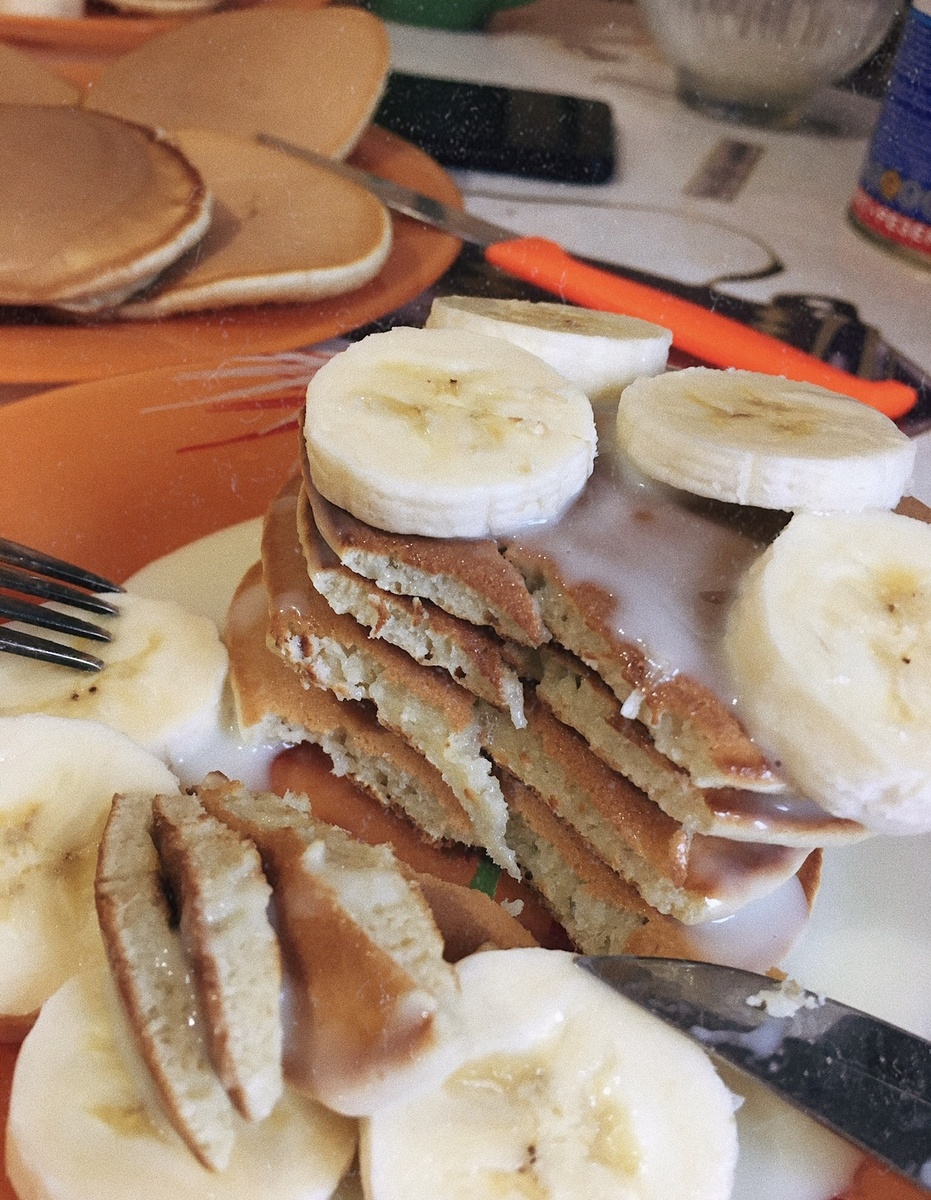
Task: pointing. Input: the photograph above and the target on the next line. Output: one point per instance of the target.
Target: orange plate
(103, 34)
(47, 353)
(116, 472)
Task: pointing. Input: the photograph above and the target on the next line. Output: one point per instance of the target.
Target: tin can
(892, 202)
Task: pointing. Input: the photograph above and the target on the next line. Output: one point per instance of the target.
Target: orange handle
(714, 339)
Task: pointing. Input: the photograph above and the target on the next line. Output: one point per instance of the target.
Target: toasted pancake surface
(90, 205)
(281, 230)
(472, 655)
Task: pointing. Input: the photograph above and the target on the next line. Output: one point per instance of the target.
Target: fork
(29, 572)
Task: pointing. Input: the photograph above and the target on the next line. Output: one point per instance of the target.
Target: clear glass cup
(758, 61)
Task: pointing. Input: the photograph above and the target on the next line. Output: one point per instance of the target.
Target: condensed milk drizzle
(669, 561)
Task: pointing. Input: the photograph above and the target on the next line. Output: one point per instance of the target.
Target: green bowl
(441, 14)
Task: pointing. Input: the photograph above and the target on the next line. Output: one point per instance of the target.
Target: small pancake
(468, 579)
(474, 656)
(468, 919)
(215, 880)
(91, 206)
(281, 230)
(273, 705)
(24, 80)
(596, 907)
(313, 77)
(164, 8)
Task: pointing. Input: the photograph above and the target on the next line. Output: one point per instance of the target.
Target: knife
(867, 1080)
(707, 335)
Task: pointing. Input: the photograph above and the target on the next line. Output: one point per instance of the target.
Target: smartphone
(512, 131)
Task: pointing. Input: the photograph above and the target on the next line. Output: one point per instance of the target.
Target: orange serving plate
(99, 33)
(116, 472)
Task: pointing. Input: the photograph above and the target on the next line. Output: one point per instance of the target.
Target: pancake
(152, 975)
(91, 206)
(597, 908)
(694, 878)
(368, 992)
(220, 893)
(24, 80)
(272, 705)
(281, 231)
(473, 655)
(164, 8)
(468, 579)
(313, 77)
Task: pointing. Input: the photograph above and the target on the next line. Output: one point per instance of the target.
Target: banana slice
(757, 439)
(829, 643)
(600, 352)
(103, 1135)
(563, 1090)
(164, 673)
(446, 434)
(57, 780)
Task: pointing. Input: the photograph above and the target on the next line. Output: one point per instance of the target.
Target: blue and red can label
(893, 197)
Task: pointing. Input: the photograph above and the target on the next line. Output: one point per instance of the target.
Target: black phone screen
(512, 131)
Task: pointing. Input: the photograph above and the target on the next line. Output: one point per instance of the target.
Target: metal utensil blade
(399, 198)
(867, 1080)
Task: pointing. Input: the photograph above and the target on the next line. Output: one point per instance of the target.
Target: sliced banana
(57, 781)
(600, 352)
(762, 440)
(563, 1089)
(103, 1135)
(164, 672)
(446, 434)
(829, 643)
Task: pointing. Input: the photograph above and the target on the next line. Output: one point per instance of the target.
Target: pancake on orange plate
(92, 207)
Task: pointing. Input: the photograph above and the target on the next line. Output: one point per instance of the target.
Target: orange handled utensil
(715, 339)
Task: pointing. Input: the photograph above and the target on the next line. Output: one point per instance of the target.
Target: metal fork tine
(50, 618)
(45, 564)
(25, 572)
(17, 580)
(14, 642)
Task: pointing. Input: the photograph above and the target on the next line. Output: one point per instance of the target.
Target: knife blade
(867, 1080)
(707, 335)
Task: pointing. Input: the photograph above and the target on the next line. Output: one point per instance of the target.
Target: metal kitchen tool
(26, 572)
(865, 1079)
(706, 333)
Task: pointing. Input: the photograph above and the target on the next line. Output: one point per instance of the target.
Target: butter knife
(707, 335)
(867, 1080)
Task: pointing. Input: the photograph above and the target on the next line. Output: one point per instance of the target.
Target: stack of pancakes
(484, 689)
